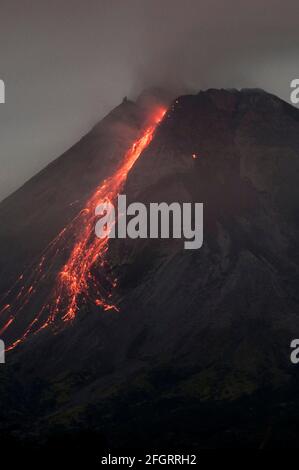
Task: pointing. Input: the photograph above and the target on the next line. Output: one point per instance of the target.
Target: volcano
(148, 336)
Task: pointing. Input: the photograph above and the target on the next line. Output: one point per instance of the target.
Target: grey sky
(66, 63)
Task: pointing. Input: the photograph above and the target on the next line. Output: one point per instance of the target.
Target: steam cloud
(66, 63)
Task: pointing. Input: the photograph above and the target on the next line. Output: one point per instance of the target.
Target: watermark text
(2, 92)
(160, 220)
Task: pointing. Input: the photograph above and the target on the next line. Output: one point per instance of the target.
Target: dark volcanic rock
(198, 329)
(33, 215)
(234, 302)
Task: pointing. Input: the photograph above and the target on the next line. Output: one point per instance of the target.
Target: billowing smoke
(66, 63)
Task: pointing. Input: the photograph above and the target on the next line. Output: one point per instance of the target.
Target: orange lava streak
(4, 328)
(76, 276)
(77, 281)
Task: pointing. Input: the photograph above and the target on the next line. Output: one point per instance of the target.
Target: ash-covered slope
(32, 216)
(200, 348)
(232, 306)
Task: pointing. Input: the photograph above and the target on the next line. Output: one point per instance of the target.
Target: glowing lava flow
(78, 280)
(76, 276)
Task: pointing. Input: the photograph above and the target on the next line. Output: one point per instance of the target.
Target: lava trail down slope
(78, 279)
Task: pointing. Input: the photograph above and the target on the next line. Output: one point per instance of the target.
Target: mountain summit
(199, 333)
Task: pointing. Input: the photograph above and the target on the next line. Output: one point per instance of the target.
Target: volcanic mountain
(198, 343)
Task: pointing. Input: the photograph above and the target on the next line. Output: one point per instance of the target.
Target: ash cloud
(67, 63)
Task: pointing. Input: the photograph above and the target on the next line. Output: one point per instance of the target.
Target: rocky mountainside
(32, 216)
(200, 348)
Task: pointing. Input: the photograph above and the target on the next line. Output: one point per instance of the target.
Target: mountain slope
(33, 215)
(200, 332)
